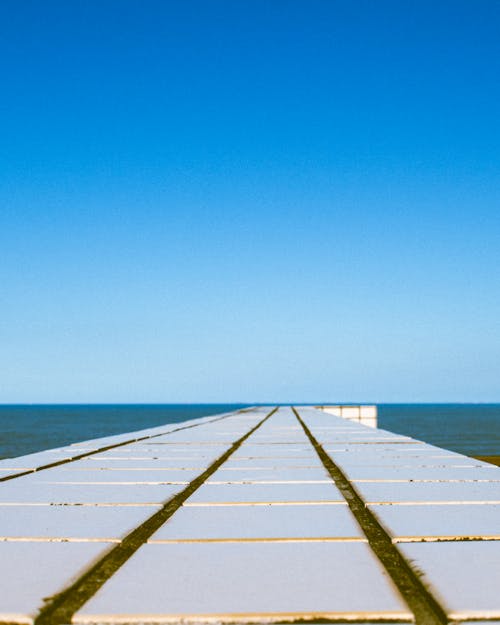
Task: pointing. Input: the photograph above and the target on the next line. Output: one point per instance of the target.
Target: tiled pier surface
(254, 516)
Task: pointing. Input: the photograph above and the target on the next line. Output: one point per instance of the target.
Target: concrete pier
(262, 515)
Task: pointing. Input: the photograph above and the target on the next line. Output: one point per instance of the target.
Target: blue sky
(249, 201)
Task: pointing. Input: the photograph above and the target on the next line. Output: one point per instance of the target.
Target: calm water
(25, 429)
(472, 429)
(468, 428)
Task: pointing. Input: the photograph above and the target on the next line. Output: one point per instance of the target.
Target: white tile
(275, 449)
(346, 461)
(71, 522)
(7, 472)
(249, 474)
(434, 522)
(464, 575)
(15, 492)
(32, 461)
(357, 440)
(106, 441)
(270, 462)
(200, 437)
(109, 476)
(163, 451)
(179, 462)
(259, 522)
(264, 493)
(38, 570)
(429, 492)
(246, 581)
(378, 450)
(428, 474)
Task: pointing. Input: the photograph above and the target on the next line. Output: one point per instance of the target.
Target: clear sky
(249, 200)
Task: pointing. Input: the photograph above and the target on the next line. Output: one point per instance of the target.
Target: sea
(471, 429)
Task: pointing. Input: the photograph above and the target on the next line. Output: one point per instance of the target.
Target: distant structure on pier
(366, 415)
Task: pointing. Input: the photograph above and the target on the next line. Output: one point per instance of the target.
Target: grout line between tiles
(60, 608)
(422, 603)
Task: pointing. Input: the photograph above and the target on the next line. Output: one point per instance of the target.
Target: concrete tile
(179, 462)
(110, 476)
(366, 439)
(429, 492)
(7, 472)
(32, 461)
(238, 582)
(203, 436)
(17, 492)
(270, 462)
(39, 570)
(433, 522)
(264, 493)
(106, 441)
(426, 474)
(464, 575)
(383, 449)
(164, 451)
(259, 522)
(80, 523)
(347, 461)
(202, 439)
(255, 452)
(252, 450)
(269, 475)
(279, 439)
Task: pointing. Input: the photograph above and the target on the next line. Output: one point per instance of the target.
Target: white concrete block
(270, 462)
(275, 475)
(32, 461)
(260, 522)
(434, 522)
(429, 492)
(368, 412)
(346, 461)
(350, 412)
(178, 462)
(265, 493)
(274, 451)
(75, 523)
(110, 476)
(163, 451)
(7, 472)
(422, 474)
(33, 492)
(464, 575)
(241, 582)
(38, 570)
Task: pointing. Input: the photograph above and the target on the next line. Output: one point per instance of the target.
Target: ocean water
(472, 429)
(28, 428)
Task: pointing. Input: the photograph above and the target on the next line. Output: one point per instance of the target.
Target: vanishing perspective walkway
(261, 515)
